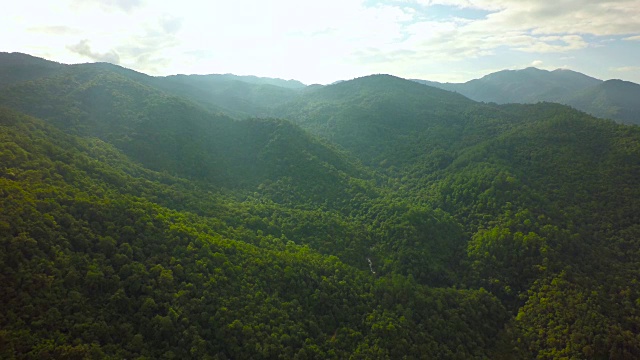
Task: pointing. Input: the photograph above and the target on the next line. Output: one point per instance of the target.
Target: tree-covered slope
(95, 265)
(170, 134)
(544, 191)
(239, 97)
(392, 220)
(553, 207)
(271, 158)
(383, 120)
(613, 99)
(17, 67)
(236, 96)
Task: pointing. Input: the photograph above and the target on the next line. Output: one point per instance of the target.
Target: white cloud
(311, 41)
(525, 26)
(83, 48)
(125, 5)
(170, 24)
(54, 30)
(547, 44)
(537, 63)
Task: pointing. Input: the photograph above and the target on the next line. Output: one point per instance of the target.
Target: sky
(328, 40)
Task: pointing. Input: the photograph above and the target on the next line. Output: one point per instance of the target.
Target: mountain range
(611, 99)
(252, 96)
(218, 216)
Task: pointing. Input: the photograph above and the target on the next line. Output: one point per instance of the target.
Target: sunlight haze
(326, 41)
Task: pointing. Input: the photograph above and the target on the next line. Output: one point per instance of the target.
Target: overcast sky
(328, 40)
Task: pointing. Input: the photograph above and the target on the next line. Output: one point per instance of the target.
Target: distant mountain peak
(614, 99)
(8, 57)
(532, 69)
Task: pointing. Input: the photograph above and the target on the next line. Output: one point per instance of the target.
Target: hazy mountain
(568, 87)
(106, 232)
(378, 118)
(529, 85)
(393, 123)
(167, 133)
(378, 218)
(612, 99)
(17, 67)
(290, 84)
(237, 96)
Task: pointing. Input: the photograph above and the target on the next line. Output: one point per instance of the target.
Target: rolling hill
(167, 133)
(235, 96)
(371, 218)
(381, 119)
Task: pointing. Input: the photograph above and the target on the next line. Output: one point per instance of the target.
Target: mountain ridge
(568, 87)
(251, 96)
(373, 218)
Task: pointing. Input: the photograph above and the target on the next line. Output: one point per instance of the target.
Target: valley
(228, 217)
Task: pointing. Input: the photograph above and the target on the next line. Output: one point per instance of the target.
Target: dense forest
(224, 217)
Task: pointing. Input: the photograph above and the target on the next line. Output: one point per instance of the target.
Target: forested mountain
(529, 85)
(97, 263)
(17, 67)
(142, 122)
(236, 96)
(369, 219)
(613, 99)
(383, 120)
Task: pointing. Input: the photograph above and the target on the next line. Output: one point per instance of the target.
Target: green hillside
(94, 266)
(383, 120)
(239, 97)
(170, 134)
(612, 99)
(545, 193)
(17, 67)
(375, 218)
